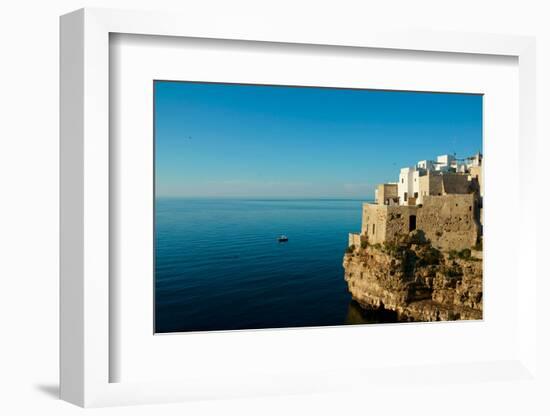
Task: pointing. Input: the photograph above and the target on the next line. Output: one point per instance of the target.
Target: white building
(474, 161)
(408, 185)
(427, 165)
(445, 163)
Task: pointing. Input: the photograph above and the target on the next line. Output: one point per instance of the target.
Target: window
(373, 228)
(402, 180)
(416, 194)
(406, 196)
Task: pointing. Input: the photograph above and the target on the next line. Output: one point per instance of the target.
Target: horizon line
(258, 197)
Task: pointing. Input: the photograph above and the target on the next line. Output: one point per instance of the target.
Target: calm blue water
(220, 267)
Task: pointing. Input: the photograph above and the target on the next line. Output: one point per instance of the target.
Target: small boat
(282, 239)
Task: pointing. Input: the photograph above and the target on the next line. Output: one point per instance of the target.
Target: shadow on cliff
(359, 315)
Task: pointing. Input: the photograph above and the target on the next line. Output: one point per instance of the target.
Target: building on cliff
(441, 198)
(386, 194)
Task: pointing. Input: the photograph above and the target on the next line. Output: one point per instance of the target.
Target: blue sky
(232, 140)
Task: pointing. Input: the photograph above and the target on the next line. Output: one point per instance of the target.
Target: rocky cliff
(415, 280)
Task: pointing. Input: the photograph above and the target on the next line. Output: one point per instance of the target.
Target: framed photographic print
(265, 212)
(256, 191)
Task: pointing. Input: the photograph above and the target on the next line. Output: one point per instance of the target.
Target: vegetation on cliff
(415, 280)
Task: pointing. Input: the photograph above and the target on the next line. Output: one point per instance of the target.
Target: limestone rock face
(416, 281)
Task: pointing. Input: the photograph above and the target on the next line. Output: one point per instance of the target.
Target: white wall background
(29, 199)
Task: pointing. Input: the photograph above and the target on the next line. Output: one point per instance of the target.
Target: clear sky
(232, 140)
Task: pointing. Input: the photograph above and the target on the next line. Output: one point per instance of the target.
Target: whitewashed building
(474, 161)
(408, 185)
(445, 163)
(427, 165)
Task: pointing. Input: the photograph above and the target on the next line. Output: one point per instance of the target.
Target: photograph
(296, 206)
(275, 208)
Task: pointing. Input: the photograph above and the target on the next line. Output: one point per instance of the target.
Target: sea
(219, 266)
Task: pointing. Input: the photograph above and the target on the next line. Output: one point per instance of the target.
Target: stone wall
(443, 184)
(387, 191)
(476, 172)
(383, 223)
(456, 184)
(373, 223)
(450, 222)
(429, 185)
(354, 239)
(398, 218)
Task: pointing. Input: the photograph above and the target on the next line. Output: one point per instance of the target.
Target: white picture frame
(85, 206)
